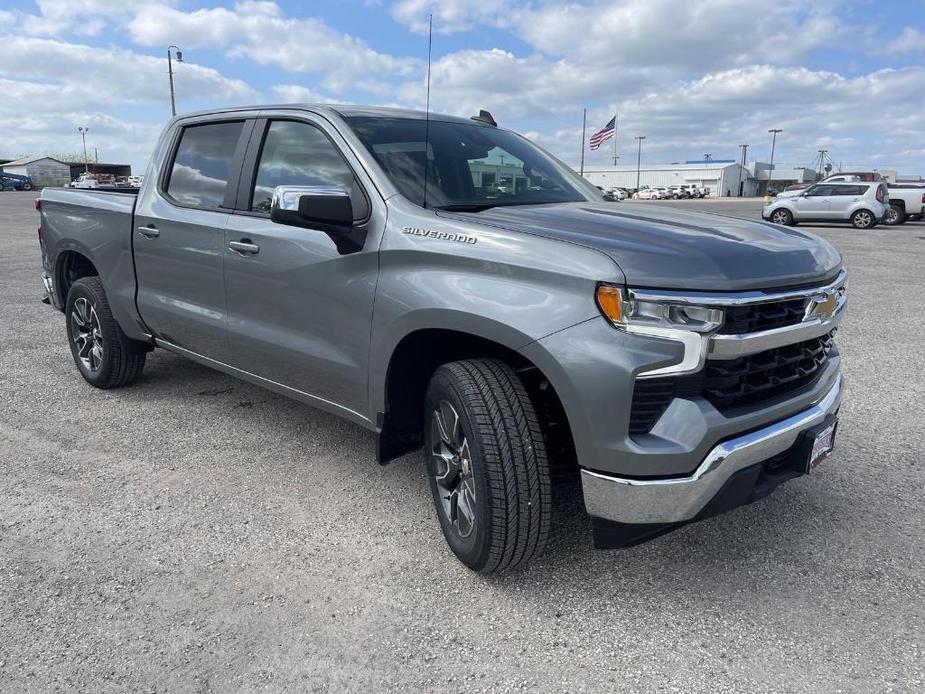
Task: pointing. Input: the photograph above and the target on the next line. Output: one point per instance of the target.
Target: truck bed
(98, 225)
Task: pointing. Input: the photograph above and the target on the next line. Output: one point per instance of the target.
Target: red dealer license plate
(822, 446)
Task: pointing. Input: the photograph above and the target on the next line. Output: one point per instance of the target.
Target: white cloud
(450, 16)
(81, 17)
(259, 31)
(910, 40)
(297, 94)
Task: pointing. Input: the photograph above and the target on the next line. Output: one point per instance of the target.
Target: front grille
(736, 383)
(751, 318)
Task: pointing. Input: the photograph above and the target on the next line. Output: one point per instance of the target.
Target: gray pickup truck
(450, 286)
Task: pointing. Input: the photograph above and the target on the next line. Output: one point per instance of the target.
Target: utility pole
(83, 136)
(708, 157)
(96, 156)
(773, 132)
(173, 103)
(822, 153)
(584, 125)
(639, 139)
(742, 165)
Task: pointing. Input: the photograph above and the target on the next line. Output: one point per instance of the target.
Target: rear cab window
(202, 164)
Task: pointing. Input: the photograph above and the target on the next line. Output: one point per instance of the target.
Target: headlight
(623, 310)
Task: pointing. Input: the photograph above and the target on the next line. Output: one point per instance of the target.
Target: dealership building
(723, 177)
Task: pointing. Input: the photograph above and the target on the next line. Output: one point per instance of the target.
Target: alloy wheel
(862, 220)
(86, 334)
(892, 215)
(453, 468)
(779, 217)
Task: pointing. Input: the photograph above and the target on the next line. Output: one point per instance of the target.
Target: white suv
(862, 203)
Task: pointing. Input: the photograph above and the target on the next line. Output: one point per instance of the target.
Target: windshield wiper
(475, 207)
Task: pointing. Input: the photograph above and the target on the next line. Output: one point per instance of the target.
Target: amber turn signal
(610, 301)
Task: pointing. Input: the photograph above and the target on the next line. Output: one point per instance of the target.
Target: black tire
(27, 186)
(894, 216)
(863, 219)
(105, 356)
(781, 216)
(506, 468)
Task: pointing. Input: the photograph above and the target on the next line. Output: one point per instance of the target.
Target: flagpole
(584, 123)
(615, 116)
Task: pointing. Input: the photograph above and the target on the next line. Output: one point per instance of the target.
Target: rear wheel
(487, 465)
(27, 186)
(863, 219)
(104, 355)
(782, 216)
(894, 215)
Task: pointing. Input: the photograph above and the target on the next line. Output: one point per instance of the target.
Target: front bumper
(673, 500)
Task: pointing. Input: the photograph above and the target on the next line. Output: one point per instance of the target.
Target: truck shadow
(717, 551)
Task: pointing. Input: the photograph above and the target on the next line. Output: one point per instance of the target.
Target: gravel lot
(195, 533)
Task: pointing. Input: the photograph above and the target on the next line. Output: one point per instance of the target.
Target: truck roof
(343, 110)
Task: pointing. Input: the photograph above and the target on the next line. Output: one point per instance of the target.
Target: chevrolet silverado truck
(366, 261)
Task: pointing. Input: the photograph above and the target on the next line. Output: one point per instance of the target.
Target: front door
(179, 240)
(299, 309)
(815, 203)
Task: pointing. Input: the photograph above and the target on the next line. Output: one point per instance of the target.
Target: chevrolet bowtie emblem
(824, 305)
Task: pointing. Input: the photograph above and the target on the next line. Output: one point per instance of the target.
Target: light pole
(773, 132)
(173, 103)
(708, 157)
(639, 139)
(83, 136)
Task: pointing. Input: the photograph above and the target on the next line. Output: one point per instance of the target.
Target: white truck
(906, 201)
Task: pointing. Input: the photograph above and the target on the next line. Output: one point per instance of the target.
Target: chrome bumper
(679, 499)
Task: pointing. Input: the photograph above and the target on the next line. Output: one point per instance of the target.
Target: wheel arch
(71, 264)
(418, 354)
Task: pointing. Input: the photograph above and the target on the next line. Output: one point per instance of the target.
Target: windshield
(469, 167)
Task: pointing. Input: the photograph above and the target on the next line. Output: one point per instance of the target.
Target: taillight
(881, 193)
(923, 198)
(38, 203)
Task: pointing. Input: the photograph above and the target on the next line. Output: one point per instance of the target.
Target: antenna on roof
(485, 117)
(430, 44)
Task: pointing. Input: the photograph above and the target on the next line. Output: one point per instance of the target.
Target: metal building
(44, 171)
(723, 178)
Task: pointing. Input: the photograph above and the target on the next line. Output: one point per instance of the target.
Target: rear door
(179, 236)
(844, 199)
(300, 309)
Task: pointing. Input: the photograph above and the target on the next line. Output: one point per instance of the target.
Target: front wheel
(863, 219)
(105, 356)
(894, 215)
(782, 216)
(487, 465)
(27, 186)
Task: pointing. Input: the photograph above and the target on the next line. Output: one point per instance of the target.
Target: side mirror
(323, 208)
(315, 207)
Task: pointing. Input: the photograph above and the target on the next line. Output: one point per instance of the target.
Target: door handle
(244, 247)
(149, 232)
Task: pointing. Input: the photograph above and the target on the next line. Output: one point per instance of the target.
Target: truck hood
(662, 247)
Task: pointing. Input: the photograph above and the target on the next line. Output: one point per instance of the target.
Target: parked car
(692, 190)
(135, 181)
(705, 192)
(650, 194)
(679, 192)
(85, 180)
(852, 176)
(906, 201)
(863, 204)
(11, 181)
(656, 357)
(615, 194)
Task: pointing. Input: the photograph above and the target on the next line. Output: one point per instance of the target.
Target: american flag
(603, 134)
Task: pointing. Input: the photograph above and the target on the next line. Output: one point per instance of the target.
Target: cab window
(202, 165)
(299, 154)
